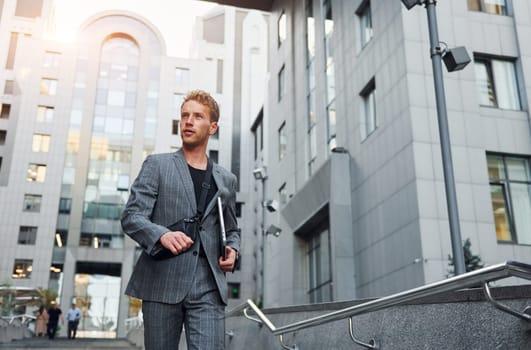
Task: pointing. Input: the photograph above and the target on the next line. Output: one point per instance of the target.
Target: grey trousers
(201, 312)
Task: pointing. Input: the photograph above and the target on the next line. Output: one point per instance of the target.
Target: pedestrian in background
(41, 321)
(72, 317)
(54, 314)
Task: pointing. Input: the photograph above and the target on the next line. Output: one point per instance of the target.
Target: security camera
(273, 230)
(271, 205)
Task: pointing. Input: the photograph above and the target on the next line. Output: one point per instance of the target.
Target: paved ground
(73, 344)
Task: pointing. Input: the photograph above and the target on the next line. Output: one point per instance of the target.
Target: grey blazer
(162, 194)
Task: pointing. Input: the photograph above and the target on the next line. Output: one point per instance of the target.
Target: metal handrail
(481, 276)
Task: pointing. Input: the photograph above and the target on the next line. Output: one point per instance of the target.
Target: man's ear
(213, 128)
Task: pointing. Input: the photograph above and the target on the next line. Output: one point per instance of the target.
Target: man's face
(196, 126)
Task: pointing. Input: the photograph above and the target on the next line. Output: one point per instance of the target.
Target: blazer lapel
(184, 172)
(216, 175)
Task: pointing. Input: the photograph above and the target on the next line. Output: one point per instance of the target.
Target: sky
(171, 17)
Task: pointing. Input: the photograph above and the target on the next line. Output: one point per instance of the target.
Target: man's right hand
(176, 242)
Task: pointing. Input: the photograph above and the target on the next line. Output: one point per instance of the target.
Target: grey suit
(162, 194)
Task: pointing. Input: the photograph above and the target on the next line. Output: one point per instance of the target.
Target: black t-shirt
(198, 176)
(53, 315)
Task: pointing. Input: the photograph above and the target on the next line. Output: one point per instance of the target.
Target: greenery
(44, 297)
(8, 299)
(472, 262)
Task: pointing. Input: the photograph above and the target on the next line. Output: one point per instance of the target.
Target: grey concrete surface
(453, 321)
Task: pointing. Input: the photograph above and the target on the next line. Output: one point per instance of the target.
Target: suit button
(200, 228)
(195, 253)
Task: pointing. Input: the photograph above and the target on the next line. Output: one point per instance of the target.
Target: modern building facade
(77, 121)
(352, 150)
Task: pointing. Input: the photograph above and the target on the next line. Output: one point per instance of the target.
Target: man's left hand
(227, 265)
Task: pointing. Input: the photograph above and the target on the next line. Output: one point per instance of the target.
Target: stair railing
(481, 276)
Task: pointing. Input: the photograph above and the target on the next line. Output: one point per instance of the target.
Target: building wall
(398, 214)
(71, 133)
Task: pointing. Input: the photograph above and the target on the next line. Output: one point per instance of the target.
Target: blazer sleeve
(136, 217)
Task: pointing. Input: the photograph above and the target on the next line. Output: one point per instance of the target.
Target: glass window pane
(45, 114)
(506, 87)
(496, 168)
(370, 113)
(36, 173)
(501, 217)
(521, 202)
(518, 169)
(282, 28)
(366, 25)
(5, 110)
(474, 5)
(484, 84)
(498, 7)
(32, 203)
(22, 268)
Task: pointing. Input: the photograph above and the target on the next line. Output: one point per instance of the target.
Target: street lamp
(456, 60)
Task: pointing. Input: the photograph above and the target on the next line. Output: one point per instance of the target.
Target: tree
(7, 295)
(472, 262)
(44, 297)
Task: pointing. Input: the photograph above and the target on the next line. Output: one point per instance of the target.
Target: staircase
(73, 344)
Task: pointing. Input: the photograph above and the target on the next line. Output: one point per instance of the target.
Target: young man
(180, 276)
(72, 317)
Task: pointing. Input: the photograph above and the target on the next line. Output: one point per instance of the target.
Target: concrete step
(72, 344)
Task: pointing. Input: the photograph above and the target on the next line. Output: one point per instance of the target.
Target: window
(13, 40)
(123, 183)
(510, 190)
(41, 143)
(282, 28)
(101, 240)
(281, 83)
(282, 142)
(330, 72)
(320, 267)
(365, 19)
(32, 203)
(368, 115)
(182, 77)
(60, 239)
(283, 194)
(310, 93)
(51, 59)
(22, 268)
(45, 114)
(234, 290)
(497, 7)
(9, 87)
(48, 86)
(5, 111)
(239, 209)
(27, 235)
(258, 134)
(496, 83)
(65, 205)
(177, 101)
(175, 127)
(29, 8)
(36, 173)
(116, 98)
(3, 134)
(214, 155)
